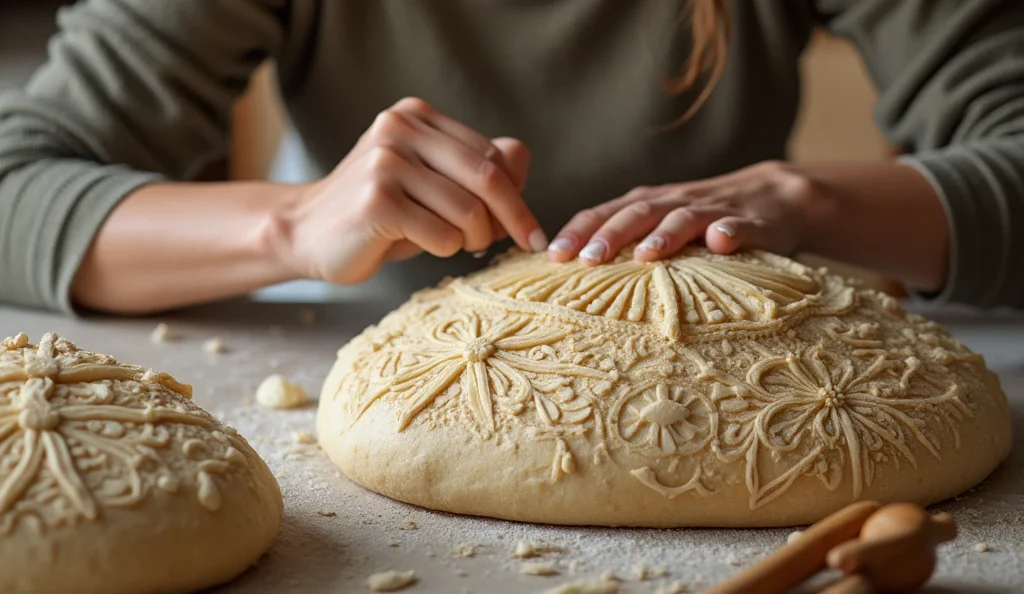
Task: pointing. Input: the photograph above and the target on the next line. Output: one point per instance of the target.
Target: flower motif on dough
(687, 290)
(817, 414)
(492, 358)
(667, 419)
(69, 445)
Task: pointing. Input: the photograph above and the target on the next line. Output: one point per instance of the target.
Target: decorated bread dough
(704, 390)
(113, 481)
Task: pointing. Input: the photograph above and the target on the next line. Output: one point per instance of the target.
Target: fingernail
(562, 244)
(595, 250)
(726, 229)
(652, 243)
(538, 240)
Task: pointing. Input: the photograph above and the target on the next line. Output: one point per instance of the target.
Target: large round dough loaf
(112, 481)
(705, 390)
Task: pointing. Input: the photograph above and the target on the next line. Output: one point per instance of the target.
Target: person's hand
(415, 181)
(756, 207)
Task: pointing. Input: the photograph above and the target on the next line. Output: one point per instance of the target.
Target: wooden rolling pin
(880, 549)
(805, 556)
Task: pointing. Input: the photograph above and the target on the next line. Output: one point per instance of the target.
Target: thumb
(517, 159)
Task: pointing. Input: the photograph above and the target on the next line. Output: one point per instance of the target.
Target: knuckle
(773, 165)
(475, 214)
(449, 243)
(587, 218)
(387, 126)
(680, 216)
(382, 161)
(414, 105)
(489, 174)
(641, 210)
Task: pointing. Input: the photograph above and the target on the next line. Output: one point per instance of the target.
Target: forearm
(885, 217)
(176, 244)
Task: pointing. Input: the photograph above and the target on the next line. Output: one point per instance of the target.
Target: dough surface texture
(704, 390)
(112, 481)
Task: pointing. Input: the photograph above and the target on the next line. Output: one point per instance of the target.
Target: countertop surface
(335, 533)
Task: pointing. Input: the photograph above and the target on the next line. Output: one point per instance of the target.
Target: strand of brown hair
(710, 26)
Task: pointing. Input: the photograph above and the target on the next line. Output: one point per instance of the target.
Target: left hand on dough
(756, 207)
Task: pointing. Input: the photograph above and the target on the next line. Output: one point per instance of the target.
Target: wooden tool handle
(805, 556)
(851, 584)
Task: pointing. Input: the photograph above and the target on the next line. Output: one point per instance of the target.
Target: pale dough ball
(277, 392)
(701, 390)
(391, 581)
(113, 482)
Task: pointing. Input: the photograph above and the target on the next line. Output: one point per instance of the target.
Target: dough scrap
(391, 581)
(278, 392)
(672, 588)
(745, 390)
(527, 550)
(214, 346)
(586, 587)
(162, 333)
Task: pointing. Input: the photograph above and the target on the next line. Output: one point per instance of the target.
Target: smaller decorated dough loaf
(112, 481)
(703, 390)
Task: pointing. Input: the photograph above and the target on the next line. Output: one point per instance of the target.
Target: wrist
(810, 202)
(274, 237)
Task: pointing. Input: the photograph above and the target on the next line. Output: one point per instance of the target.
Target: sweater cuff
(101, 192)
(55, 235)
(978, 188)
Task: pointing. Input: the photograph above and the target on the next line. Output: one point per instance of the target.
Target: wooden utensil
(802, 558)
(896, 547)
(880, 549)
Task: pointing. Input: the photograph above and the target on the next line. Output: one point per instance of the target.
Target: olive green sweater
(141, 90)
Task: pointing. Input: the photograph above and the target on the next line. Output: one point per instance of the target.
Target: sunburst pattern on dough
(79, 432)
(828, 413)
(691, 290)
(489, 355)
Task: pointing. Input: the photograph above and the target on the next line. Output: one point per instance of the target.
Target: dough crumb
(326, 514)
(586, 587)
(278, 392)
(673, 588)
(391, 581)
(162, 333)
(461, 573)
(408, 525)
(732, 560)
(307, 317)
(527, 550)
(394, 543)
(464, 550)
(609, 576)
(982, 547)
(303, 437)
(214, 346)
(544, 568)
(643, 572)
(479, 254)
(793, 536)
